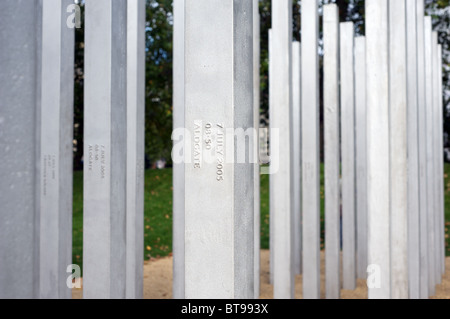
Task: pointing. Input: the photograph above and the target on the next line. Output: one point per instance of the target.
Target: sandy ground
(158, 281)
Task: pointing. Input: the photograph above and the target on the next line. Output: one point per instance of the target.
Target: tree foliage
(440, 12)
(159, 79)
(78, 131)
(159, 33)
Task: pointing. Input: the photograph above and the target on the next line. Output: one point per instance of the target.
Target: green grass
(158, 213)
(264, 210)
(447, 208)
(77, 238)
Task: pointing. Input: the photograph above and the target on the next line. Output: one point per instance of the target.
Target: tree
(78, 131)
(159, 35)
(158, 92)
(440, 12)
(354, 10)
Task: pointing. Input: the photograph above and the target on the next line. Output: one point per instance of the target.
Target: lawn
(158, 213)
(447, 208)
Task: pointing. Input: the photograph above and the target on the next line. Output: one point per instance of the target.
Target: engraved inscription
(208, 136)
(103, 162)
(91, 157)
(48, 171)
(220, 149)
(211, 138)
(97, 160)
(197, 144)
